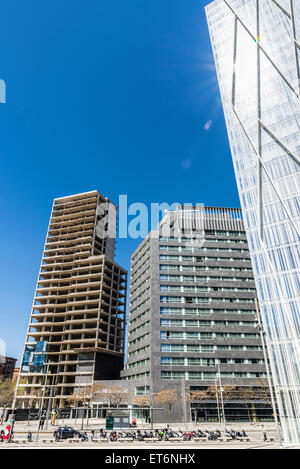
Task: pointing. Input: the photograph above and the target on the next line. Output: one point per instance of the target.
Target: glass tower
(256, 46)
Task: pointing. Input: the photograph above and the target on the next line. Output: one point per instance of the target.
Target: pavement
(136, 446)
(93, 424)
(254, 432)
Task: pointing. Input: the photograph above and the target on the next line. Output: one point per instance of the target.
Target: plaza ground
(254, 432)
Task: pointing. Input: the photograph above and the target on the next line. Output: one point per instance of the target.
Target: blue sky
(119, 96)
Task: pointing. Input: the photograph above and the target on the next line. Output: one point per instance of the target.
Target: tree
(93, 391)
(7, 391)
(115, 395)
(76, 398)
(86, 394)
(246, 396)
(90, 393)
(227, 393)
(263, 393)
(200, 397)
(169, 397)
(142, 401)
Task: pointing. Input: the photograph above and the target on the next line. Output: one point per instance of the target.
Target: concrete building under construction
(77, 323)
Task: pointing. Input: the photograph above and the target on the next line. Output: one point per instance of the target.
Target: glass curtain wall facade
(256, 46)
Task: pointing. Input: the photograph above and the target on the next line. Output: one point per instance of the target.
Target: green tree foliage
(7, 389)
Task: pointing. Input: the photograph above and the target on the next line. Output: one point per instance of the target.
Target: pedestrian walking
(42, 421)
(53, 416)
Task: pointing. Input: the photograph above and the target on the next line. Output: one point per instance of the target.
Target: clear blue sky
(115, 95)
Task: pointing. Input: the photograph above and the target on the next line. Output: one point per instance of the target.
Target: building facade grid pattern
(256, 50)
(192, 306)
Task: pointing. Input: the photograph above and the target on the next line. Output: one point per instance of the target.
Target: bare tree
(227, 394)
(85, 396)
(246, 395)
(93, 391)
(199, 397)
(263, 393)
(76, 398)
(142, 401)
(169, 397)
(115, 395)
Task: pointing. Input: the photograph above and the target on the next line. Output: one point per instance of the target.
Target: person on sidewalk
(53, 417)
(42, 421)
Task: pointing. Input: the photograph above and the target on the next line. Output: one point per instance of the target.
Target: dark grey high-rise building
(192, 311)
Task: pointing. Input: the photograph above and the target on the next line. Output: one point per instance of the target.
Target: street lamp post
(221, 395)
(84, 399)
(151, 409)
(216, 385)
(48, 414)
(183, 402)
(42, 403)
